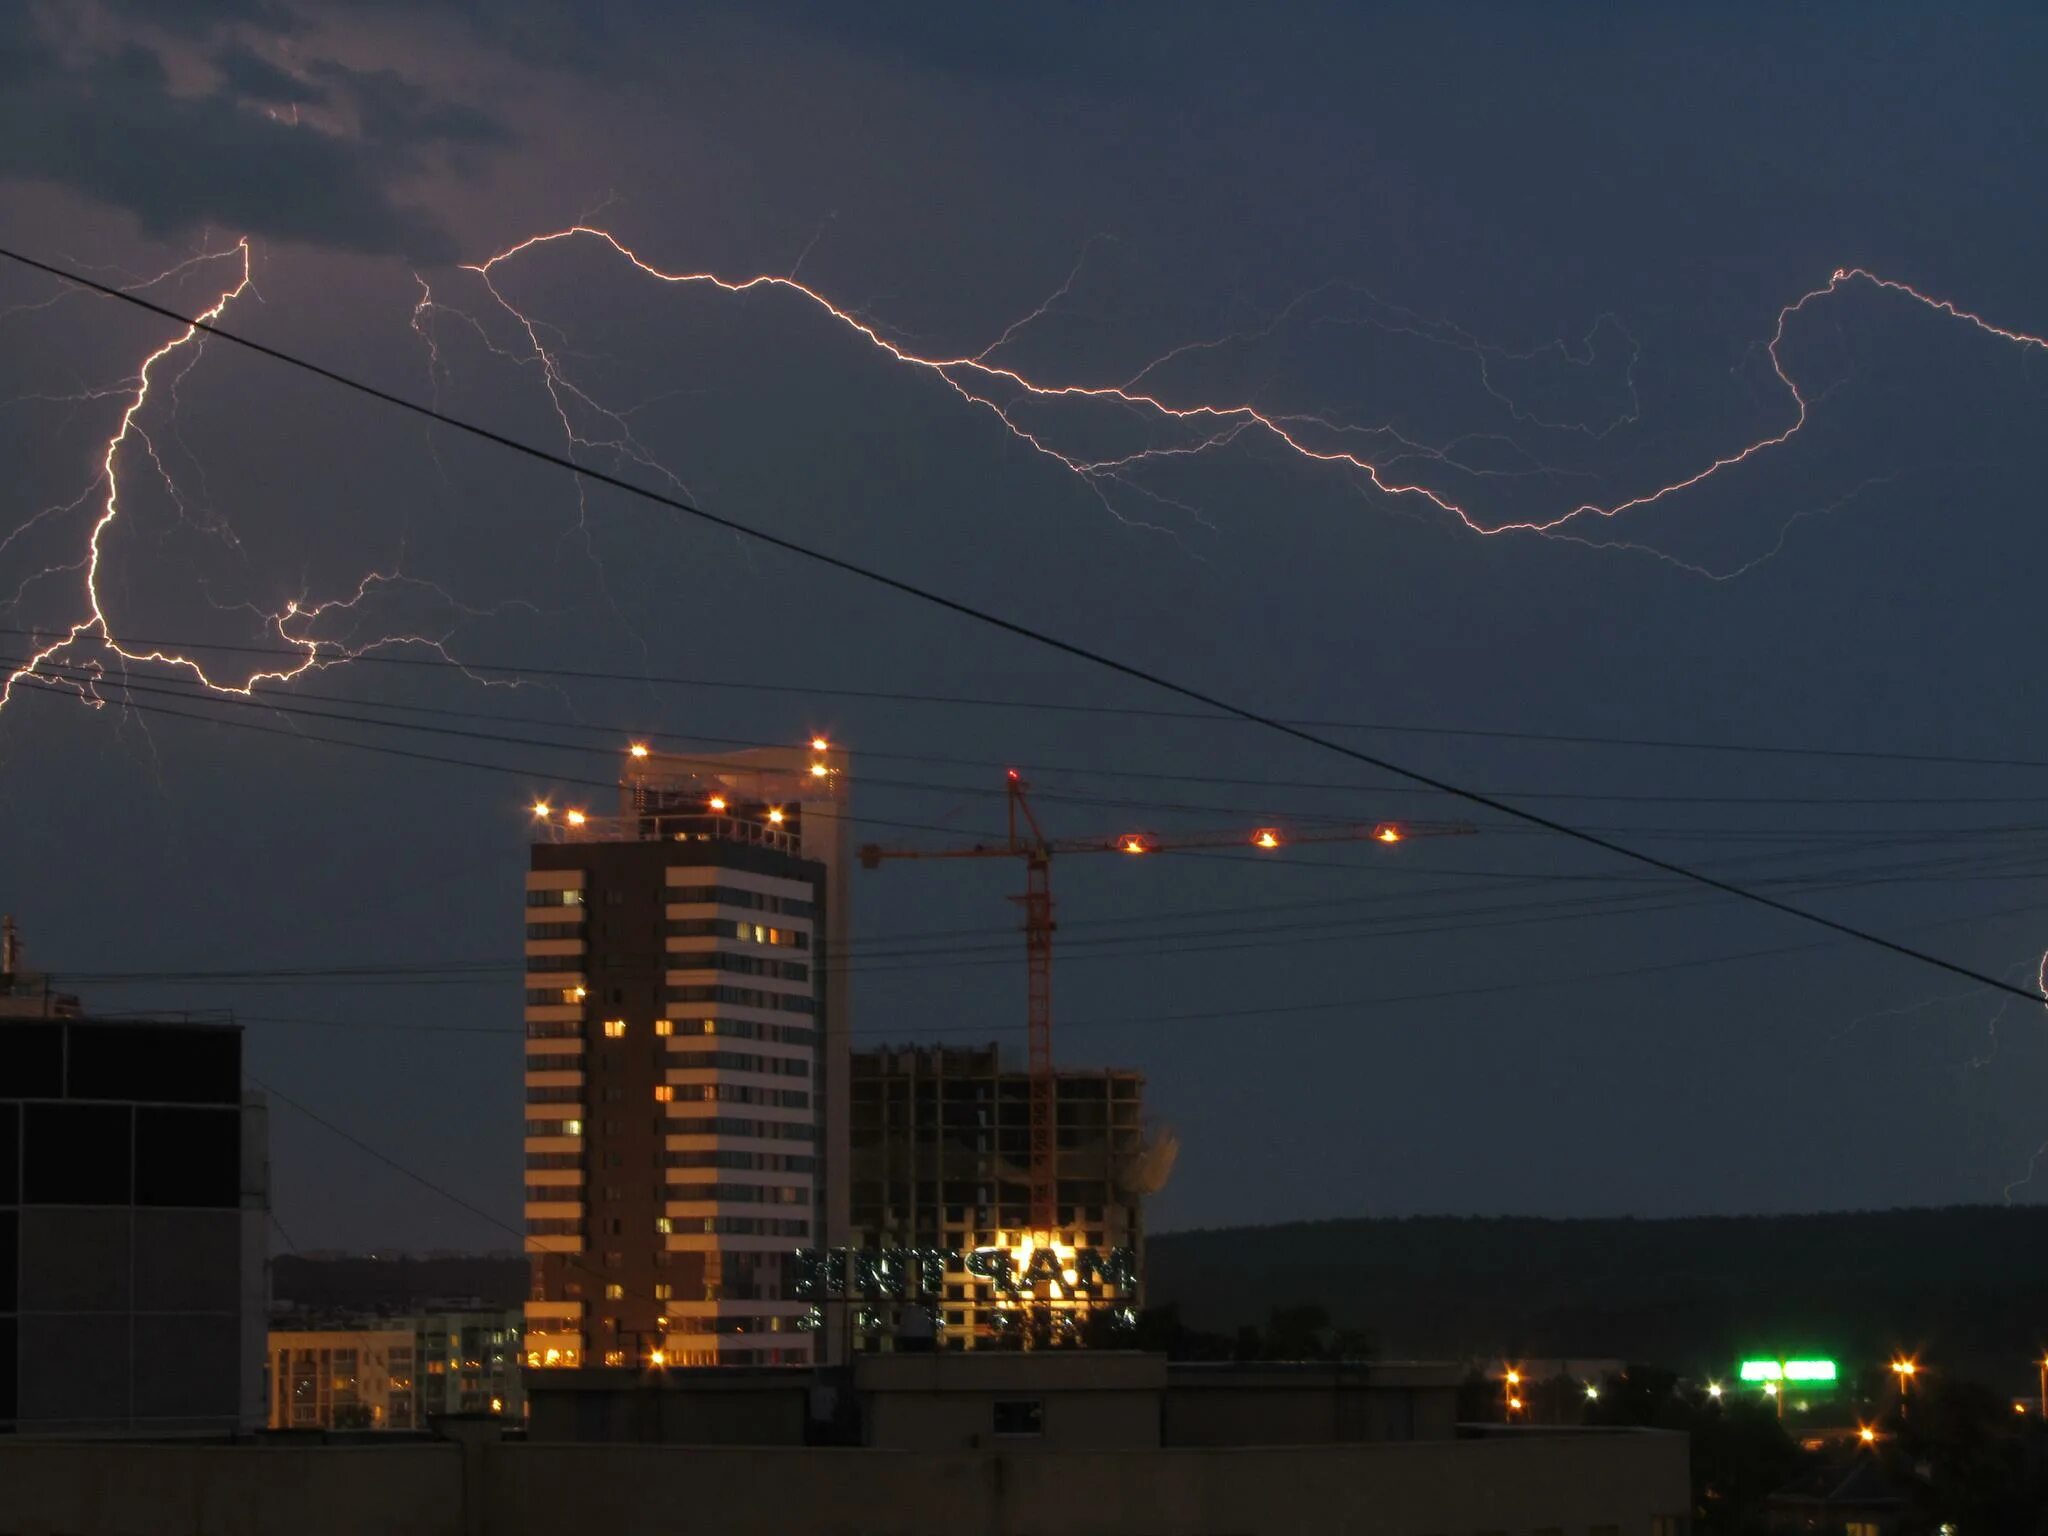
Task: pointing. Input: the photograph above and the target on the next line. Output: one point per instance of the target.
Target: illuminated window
(572, 994)
(614, 1029)
(663, 1291)
(615, 1293)
(664, 1094)
(663, 1225)
(615, 1357)
(664, 1026)
(572, 1127)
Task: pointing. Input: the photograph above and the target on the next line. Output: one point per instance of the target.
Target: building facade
(396, 1372)
(134, 1201)
(344, 1378)
(685, 1060)
(940, 1163)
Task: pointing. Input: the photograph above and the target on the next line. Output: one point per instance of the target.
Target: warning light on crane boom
(1266, 837)
(1388, 834)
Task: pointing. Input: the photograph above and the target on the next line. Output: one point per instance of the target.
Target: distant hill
(361, 1284)
(1967, 1282)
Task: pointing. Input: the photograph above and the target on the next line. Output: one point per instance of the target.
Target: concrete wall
(759, 1413)
(524, 1489)
(1304, 1414)
(1388, 1490)
(117, 1488)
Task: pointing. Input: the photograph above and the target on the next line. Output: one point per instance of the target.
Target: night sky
(1528, 257)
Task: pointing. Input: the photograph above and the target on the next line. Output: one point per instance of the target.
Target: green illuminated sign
(1809, 1371)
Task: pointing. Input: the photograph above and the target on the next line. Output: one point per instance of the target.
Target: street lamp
(1511, 1399)
(1904, 1368)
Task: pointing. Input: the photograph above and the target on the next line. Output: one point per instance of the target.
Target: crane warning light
(1388, 834)
(1013, 775)
(638, 749)
(576, 818)
(1266, 837)
(717, 802)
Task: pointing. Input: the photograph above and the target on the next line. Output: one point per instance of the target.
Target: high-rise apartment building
(941, 1164)
(686, 1059)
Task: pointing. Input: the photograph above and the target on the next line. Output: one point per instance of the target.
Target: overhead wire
(1066, 706)
(1024, 631)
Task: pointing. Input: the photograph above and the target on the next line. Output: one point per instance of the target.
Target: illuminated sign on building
(914, 1273)
(1810, 1372)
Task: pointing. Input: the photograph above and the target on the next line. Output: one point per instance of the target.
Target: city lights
(1771, 1371)
(638, 749)
(716, 802)
(542, 810)
(775, 815)
(819, 771)
(575, 818)
(1592, 1392)
(1714, 1390)
(820, 744)
(1866, 1434)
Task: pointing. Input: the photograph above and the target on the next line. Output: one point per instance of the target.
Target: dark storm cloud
(249, 75)
(585, 39)
(394, 111)
(1051, 38)
(205, 18)
(111, 126)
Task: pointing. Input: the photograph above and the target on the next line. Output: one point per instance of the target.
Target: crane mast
(1027, 840)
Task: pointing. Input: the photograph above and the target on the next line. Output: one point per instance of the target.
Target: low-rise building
(395, 1372)
(343, 1378)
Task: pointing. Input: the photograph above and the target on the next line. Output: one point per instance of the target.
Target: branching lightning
(88, 647)
(1377, 457)
(1001, 390)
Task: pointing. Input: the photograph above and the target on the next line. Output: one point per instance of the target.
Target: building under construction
(941, 1162)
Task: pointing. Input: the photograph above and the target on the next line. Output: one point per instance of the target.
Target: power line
(1406, 924)
(574, 1259)
(1063, 706)
(192, 692)
(1023, 631)
(1332, 1005)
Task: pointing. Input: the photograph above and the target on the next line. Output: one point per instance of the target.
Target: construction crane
(1027, 841)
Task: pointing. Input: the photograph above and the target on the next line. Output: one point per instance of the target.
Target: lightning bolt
(1377, 457)
(85, 649)
(1003, 391)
